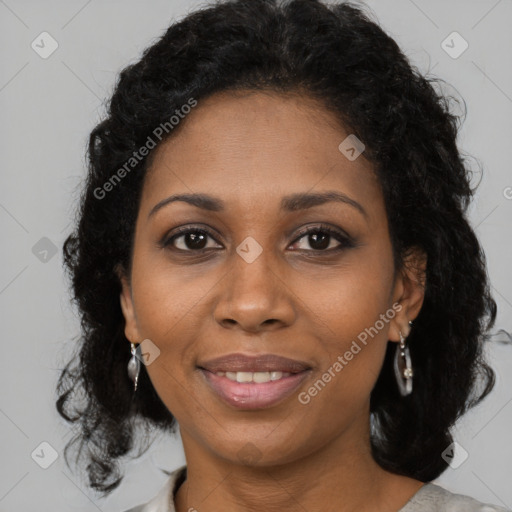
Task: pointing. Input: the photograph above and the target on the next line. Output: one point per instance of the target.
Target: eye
(189, 239)
(320, 239)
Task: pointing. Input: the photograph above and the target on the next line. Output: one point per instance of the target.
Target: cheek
(166, 309)
(165, 296)
(353, 315)
(351, 298)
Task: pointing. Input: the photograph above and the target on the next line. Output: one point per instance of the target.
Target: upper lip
(255, 363)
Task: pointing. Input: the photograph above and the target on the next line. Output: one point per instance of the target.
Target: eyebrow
(291, 203)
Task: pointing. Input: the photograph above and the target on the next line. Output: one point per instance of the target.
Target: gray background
(48, 108)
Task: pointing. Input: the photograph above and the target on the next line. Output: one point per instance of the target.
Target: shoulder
(434, 498)
(162, 501)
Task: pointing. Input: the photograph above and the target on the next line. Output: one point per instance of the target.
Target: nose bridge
(253, 293)
(253, 270)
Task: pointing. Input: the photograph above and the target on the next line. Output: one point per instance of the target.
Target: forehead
(254, 147)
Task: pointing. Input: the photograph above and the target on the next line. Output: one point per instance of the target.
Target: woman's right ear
(125, 297)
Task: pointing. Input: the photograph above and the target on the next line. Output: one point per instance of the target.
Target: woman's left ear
(409, 292)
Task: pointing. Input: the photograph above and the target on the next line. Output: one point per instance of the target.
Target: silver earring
(134, 366)
(403, 368)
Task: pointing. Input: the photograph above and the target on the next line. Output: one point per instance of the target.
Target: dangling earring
(403, 367)
(134, 366)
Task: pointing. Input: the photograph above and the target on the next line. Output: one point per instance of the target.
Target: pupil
(194, 240)
(315, 244)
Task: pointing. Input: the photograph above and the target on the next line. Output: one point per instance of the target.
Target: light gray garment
(433, 498)
(429, 498)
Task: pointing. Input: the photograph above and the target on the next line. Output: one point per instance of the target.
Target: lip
(251, 395)
(254, 363)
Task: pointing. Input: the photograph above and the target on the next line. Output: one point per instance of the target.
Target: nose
(255, 296)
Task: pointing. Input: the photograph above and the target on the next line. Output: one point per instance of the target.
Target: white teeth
(261, 377)
(258, 377)
(243, 376)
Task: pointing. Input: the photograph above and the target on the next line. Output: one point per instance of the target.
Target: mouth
(254, 364)
(253, 390)
(257, 377)
(253, 382)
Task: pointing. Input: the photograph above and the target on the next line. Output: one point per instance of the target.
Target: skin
(250, 149)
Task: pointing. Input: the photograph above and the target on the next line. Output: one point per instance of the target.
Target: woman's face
(257, 285)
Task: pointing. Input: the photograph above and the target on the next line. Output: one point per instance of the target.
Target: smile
(257, 377)
(253, 390)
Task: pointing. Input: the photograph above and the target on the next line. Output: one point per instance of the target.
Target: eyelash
(345, 241)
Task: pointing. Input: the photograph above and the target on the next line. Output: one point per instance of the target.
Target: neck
(340, 477)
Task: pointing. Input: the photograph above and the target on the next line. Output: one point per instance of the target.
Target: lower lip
(252, 395)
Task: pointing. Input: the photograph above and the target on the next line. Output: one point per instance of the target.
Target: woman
(272, 253)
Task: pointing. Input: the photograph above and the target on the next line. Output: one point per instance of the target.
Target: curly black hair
(336, 54)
